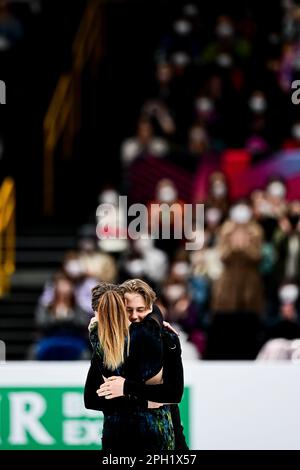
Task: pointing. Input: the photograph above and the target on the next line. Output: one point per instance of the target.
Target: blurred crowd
(216, 86)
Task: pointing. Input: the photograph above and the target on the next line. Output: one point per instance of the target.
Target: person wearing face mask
(155, 260)
(276, 196)
(113, 222)
(181, 309)
(218, 193)
(257, 103)
(226, 43)
(198, 146)
(213, 220)
(287, 246)
(71, 269)
(281, 336)
(237, 296)
(286, 324)
(258, 120)
(164, 78)
(145, 142)
(166, 210)
(144, 260)
(208, 114)
(62, 326)
(183, 38)
(96, 264)
(75, 269)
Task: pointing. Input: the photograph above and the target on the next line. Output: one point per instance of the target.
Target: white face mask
(276, 189)
(181, 59)
(109, 196)
(296, 131)
(204, 105)
(182, 27)
(257, 104)
(213, 215)
(173, 292)
(224, 30)
(224, 60)
(73, 268)
(135, 267)
(241, 214)
(167, 194)
(219, 189)
(288, 294)
(181, 269)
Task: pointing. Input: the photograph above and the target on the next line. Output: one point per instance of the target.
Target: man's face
(136, 307)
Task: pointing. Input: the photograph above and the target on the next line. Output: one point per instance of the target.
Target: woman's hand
(152, 405)
(93, 320)
(113, 387)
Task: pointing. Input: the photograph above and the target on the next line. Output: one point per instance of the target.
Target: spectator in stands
(158, 112)
(164, 77)
(213, 220)
(181, 309)
(73, 269)
(287, 246)
(286, 325)
(96, 265)
(156, 260)
(218, 193)
(237, 296)
(227, 44)
(145, 142)
(166, 212)
(63, 326)
(198, 140)
(111, 223)
(198, 146)
(145, 261)
(240, 242)
(276, 196)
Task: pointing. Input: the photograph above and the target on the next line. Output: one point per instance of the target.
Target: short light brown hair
(137, 286)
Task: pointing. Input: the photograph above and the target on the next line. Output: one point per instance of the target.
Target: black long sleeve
(172, 388)
(144, 361)
(145, 358)
(94, 402)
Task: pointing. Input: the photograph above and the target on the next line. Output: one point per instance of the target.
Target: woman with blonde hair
(134, 351)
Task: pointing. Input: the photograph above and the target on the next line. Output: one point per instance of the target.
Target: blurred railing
(7, 234)
(63, 116)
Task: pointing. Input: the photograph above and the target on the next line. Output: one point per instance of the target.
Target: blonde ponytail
(113, 328)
